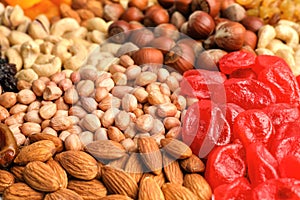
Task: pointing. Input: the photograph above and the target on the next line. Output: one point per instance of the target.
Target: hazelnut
(230, 36)
(209, 59)
(148, 55)
(168, 30)
(140, 4)
(200, 25)
(141, 37)
(183, 6)
(181, 57)
(250, 39)
(177, 19)
(234, 12)
(132, 14)
(209, 43)
(156, 15)
(252, 23)
(162, 43)
(226, 3)
(212, 7)
(118, 31)
(166, 3)
(135, 25)
(113, 11)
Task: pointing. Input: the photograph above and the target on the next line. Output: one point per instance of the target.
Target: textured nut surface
(78, 164)
(39, 151)
(6, 180)
(22, 191)
(41, 176)
(63, 194)
(88, 190)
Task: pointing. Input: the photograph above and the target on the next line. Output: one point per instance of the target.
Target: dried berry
(7, 76)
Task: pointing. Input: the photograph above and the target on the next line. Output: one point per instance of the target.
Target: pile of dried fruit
(251, 139)
(102, 107)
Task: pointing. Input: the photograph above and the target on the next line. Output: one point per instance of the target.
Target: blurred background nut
(72, 142)
(26, 96)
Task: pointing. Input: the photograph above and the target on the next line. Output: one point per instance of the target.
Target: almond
(63, 194)
(150, 154)
(119, 163)
(106, 149)
(39, 151)
(176, 148)
(192, 164)
(17, 171)
(44, 136)
(174, 191)
(6, 180)
(119, 182)
(172, 170)
(198, 185)
(88, 190)
(41, 176)
(22, 191)
(116, 196)
(134, 167)
(149, 190)
(78, 164)
(159, 179)
(60, 172)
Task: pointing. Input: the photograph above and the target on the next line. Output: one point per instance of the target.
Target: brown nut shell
(200, 25)
(8, 146)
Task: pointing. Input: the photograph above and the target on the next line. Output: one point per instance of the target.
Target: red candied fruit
(249, 93)
(277, 189)
(282, 82)
(236, 60)
(239, 189)
(289, 167)
(225, 164)
(261, 164)
(204, 127)
(243, 73)
(281, 113)
(202, 83)
(263, 62)
(253, 126)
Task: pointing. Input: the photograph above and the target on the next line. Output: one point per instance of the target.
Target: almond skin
(43, 136)
(88, 190)
(78, 164)
(41, 176)
(116, 196)
(60, 172)
(174, 191)
(149, 190)
(192, 164)
(176, 148)
(150, 154)
(119, 182)
(39, 151)
(63, 194)
(172, 170)
(106, 149)
(6, 180)
(22, 191)
(198, 185)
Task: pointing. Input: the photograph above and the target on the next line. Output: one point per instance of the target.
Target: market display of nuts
(99, 107)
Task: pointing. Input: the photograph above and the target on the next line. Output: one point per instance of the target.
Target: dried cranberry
(232, 110)
(261, 164)
(236, 60)
(249, 93)
(225, 164)
(239, 189)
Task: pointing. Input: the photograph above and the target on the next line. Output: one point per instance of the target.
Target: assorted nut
(99, 102)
